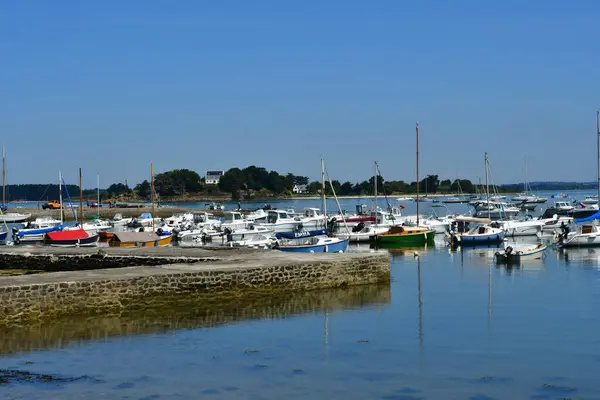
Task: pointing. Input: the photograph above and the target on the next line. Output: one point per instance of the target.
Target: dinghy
(517, 253)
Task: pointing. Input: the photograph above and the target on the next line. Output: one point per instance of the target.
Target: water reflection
(186, 313)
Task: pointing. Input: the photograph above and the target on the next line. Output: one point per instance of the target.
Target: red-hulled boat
(70, 238)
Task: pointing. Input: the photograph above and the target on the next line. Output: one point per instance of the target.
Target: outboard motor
(359, 227)
(331, 223)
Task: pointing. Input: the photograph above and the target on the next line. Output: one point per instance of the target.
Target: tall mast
(98, 186)
(60, 200)
(375, 184)
(80, 200)
(598, 159)
(152, 192)
(417, 130)
(526, 183)
(487, 187)
(323, 199)
(3, 177)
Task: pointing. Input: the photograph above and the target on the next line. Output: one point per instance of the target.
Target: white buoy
(312, 251)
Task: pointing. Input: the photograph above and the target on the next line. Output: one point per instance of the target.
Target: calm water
(452, 325)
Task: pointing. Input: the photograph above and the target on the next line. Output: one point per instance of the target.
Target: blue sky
(111, 86)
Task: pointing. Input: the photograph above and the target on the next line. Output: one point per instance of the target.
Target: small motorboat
(516, 253)
(315, 244)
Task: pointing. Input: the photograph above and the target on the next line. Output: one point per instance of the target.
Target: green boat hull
(415, 239)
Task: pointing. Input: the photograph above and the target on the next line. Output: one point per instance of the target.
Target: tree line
(258, 182)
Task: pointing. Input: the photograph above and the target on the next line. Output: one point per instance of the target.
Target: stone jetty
(107, 280)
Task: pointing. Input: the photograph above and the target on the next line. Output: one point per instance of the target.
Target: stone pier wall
(137, 288)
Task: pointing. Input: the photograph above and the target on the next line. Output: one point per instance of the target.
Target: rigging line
(47, 187)
(389, 207)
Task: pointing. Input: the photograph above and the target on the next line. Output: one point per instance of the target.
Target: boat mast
(80, 200)
(375, 184)
(152, 192)
(98, 186)
(526, 183)
(60, 200)
(487, 187)
(598, 159)
(3, 177)
(417, 130)
(323, 199)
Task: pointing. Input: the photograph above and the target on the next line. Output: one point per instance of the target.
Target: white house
(299, 189)
(213, 177)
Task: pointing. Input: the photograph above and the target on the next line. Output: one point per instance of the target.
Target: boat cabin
(563, 205)
(312, 212)
(385, 218)
(361, 209)
(232, 217)
(276, 215)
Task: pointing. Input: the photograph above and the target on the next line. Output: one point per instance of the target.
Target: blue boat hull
(482, 239)
(316, 248)
(301, 234)
(42, 231)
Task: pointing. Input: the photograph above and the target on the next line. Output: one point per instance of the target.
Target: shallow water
(452, 325)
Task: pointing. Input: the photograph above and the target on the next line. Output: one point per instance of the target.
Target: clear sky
(110, 86)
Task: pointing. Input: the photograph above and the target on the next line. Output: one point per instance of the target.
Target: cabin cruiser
(118, 220)
(529, 198)
(484, 232)
(260, 213)
(495, 210)
(279, 221)
(36, 230)
(143, 220)
(176, 220)
(590, 200)
(92, 227)
(233, 220)
(351, 220)
(361, 232)
(204, 220)
(563, 206)
(312, 218)
(587, 233)
(525, 227)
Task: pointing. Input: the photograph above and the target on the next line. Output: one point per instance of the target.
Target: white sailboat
(588, 230)
(9, 217)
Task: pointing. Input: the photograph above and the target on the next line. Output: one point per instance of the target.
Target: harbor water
(452, 325)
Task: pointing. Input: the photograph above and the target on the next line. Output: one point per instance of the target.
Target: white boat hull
(10, 218)
(366, 235)
(282, 227)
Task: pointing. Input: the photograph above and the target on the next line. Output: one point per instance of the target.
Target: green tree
(117, 189)
(429, 184)
(314, 187)
(300, 180)
(463, 184)
(143, 189)
(346, 189)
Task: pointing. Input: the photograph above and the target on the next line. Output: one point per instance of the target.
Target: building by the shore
(213, 177)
